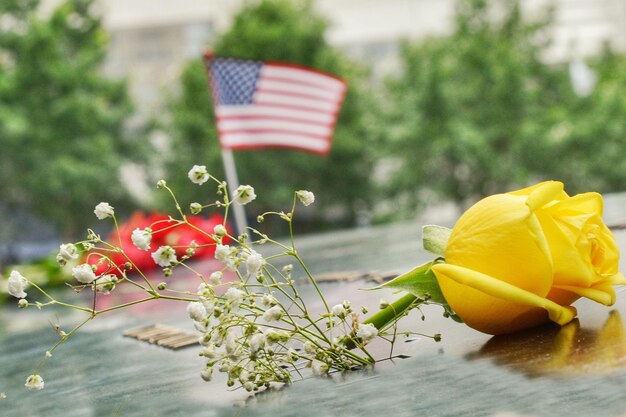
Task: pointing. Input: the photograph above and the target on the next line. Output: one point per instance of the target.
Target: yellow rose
(516, 260)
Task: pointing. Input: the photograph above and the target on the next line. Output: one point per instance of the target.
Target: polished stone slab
(577, 370)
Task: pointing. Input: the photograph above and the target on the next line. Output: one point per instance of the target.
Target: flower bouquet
(512, 261)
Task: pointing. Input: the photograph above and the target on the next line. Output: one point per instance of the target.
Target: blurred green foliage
(481, 112)
(470, 114)
(287, 31)
(62, 124)
(468, 108)
(587, 140)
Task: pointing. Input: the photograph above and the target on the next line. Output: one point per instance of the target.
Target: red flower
(164, 232)
(200, 231)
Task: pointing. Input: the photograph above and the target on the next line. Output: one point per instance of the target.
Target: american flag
(274, 105)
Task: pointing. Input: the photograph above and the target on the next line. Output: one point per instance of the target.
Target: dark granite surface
(578, 370)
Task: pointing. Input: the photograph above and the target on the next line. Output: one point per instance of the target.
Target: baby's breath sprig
(256, 329)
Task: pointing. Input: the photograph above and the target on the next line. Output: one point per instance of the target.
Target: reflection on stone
(564, 351)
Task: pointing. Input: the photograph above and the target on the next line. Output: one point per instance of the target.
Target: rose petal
(496, 306)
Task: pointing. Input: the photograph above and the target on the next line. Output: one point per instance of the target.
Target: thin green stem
(291, 214)
(311, 279)
(117, 307)
(178, 208)
(139, 271)
(61, 341)
(55, 301)
(86, 310)
(156, 296)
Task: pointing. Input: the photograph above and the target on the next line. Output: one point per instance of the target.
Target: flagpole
(241, 223)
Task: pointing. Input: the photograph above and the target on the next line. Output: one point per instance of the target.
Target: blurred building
(152, 39)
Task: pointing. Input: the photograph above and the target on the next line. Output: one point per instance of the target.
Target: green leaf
(435, 238)
(421, 282)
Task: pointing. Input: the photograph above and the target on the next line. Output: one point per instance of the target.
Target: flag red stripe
(303, 68)
(249, 147)
(279, 125)
(321, 80)
(297, 83)
(278, 118)
(263, 84)
(333, 101)
(297, 107)
(259, 110)
(313, 104)
(273, 131)
(250, 141)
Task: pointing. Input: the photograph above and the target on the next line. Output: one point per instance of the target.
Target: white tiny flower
(225, 366)
(273, 314)
(67, 252)
(203, 290)
(196, 311)
(205, 339)
(216, 278)
(206, 374)
(209, 305)
(366, 332)
(164, 256)
(209, 351)
(287, 268)
(383, 303)
(234, 295)
(268, 300)
(272, 336)
(34, 382)
(17, 284)
(306, 197)
(223, 252)
(83, 273)
(219, 230)
(200, 326)
(103, 210)
(248, 386)
(195, 208)
(23, 303)
(254, 262)
(244, 194)
(141, 238)
(310, 348)
(2, 396)
(231, 343)
(192, 248)
(339, 311)
(105, 284)
(319, 368)
(198, 174)
(244, 376)
(48, 354)
(256, 342)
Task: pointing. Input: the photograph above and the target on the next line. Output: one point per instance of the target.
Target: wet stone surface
(577, 370)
